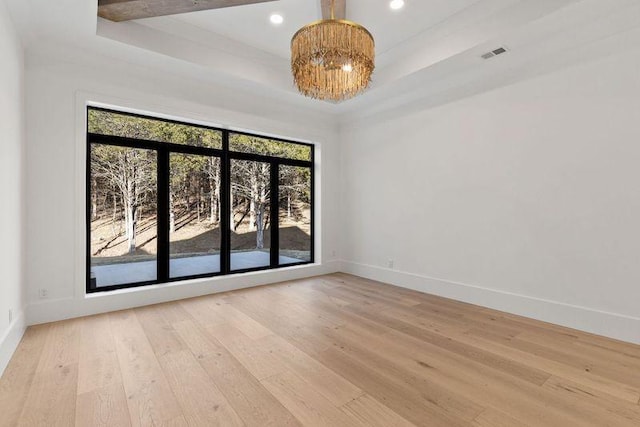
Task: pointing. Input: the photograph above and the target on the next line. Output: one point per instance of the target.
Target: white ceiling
(250, 24)
(427, 54)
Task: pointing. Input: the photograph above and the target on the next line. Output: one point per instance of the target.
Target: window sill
(229, 279)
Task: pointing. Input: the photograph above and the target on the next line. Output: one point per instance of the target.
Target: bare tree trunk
(186, 195)
(262, 203)
(289, 206)
(213, 172)
(172, 216)
(231, 222)
(252, 213)
(94, 199)
(115, 208)
(130, 212)
(212, 203)
(252, 204)
(260, 231)
(115, 215)
(217, 193)
(199, 201)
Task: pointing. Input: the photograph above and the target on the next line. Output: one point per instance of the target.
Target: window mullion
(225, 206)
(163, 215)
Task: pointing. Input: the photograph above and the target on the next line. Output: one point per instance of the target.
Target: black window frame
(163, 151)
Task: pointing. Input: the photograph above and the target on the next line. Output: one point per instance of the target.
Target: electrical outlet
(390, 263)
(43, 293)
(10, 316)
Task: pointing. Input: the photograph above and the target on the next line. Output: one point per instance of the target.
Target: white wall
(11, 186)
(525, 199)
(58, 83)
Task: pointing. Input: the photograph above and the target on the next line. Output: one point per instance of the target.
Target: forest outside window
(171, 201)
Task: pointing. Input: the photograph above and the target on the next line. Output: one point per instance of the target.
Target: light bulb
(396, 4)
(276, 19)
(347, 68)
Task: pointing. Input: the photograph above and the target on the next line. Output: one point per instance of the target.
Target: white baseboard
(9, 342)
(67, 308)
(625, 328)
(621, 327)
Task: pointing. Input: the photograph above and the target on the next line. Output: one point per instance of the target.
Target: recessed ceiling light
(276, 19)
(396, 4)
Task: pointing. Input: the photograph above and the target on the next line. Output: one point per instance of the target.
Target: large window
(171, 201)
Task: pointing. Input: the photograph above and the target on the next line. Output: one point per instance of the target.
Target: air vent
(496, 52)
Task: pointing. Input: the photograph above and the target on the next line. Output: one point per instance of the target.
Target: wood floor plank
(61, 347)
(472, 381)
(239, 320)
(98, 365)
(253, 403)
(19, 373)
(488, 386)
(492, 417)
(106, 407)
(173, 312)
(332, 386)
(255, 357)
(287, 308)
(201, 312)
(149, 396)
(308, 406)
(179, 421)
(411, 404)
(330, 350)
(570, 372)
(370, 296)
(305, 336)
(307, 295)
(354, 297)
(602, 353)
(498, 346)
(621, 408)
(197, 340)
(321, 304)
(369, 412)
(512, 367)
(51, 400)
(622, 370)
(202, 402)
(159, 332)
(393, 373)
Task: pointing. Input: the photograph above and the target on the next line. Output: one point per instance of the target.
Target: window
(250, 198)
(170, 201)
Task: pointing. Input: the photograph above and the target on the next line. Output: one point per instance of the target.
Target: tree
(213, 173)
(132, 173)
(294, 187)
(127, 177)
(251, 180)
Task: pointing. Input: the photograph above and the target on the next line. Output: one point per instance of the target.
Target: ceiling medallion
(332, 59)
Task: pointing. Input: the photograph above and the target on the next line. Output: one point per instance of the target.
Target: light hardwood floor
(335, 350)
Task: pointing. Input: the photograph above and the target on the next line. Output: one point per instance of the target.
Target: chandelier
(332, 59)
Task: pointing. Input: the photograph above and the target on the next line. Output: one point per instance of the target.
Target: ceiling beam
(340, 9)
(126, 10)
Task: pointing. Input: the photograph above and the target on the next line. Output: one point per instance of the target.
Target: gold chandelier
(332, 59)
